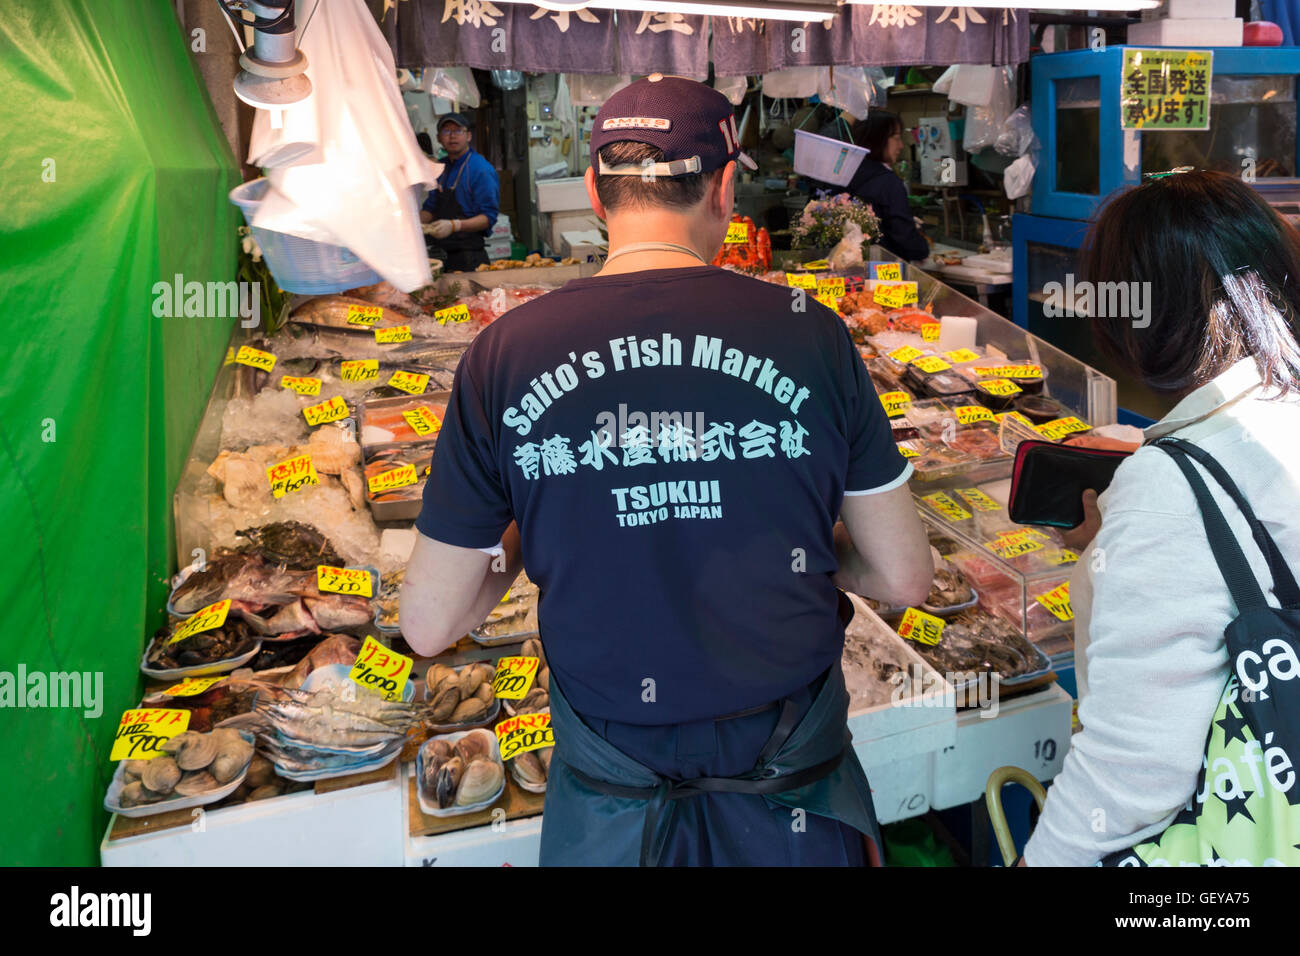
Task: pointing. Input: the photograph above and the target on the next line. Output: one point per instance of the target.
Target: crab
(754, 255)
(292, 544)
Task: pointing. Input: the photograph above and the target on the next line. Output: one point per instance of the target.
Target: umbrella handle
(993, 798)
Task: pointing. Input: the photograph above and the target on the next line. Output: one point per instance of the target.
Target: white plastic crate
(824, 159)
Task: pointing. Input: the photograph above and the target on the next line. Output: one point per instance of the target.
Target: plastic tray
(112, 799)
(515, 637)
(432, 808)
(490, 718)
(198, 670)
(328, 774)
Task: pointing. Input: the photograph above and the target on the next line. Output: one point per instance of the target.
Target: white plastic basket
(301, 265)
(824, 159)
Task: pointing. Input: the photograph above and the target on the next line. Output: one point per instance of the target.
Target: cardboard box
(1192, 10)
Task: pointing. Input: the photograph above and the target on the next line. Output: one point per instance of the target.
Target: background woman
(876, 183)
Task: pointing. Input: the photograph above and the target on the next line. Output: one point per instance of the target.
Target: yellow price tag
(796, 281)
(737, 232)
(204, 619)
(381, 670)
(394, 478)
(247, 355)
(831, 285)
(1000, 386)
(905, 354)
(291, 475)
(142, 731)
(957, 356)
(230, 357)
(397, 333)
(918, 626)
(423, 421)
(1060, 427)
(931, 363)
(331, 411)
(977, 499)
(344, 580)
(970, 414)
(359, 370)
(817, 265)
(192, 686)
(1061, 556)
(1009, 371)
(1015, 416)
(412, 382)
(514, 677)
(1013, 546)
(930, 331)
(1057, 601)
(894, 295)
(453, 313)
(829, 301)
(895, 403)
(908, 450)
(301, 384)
(946, 506)
(364, 315)
(889, 270)
(524, 732)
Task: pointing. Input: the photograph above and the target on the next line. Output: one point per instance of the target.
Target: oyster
(447, 782)
(161, 774)
(482, 779)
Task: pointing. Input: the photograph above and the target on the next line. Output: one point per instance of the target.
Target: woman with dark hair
(875, 183)
(1175, 763)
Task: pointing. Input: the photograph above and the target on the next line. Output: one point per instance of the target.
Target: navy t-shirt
(674, 445)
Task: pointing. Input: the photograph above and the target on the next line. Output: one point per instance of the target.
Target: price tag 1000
(142, 732)
(1007, 548)
(525, 732)
(796, 281)
(921, 627)
(1060, 427)
(423, 421)
(970, 414)
(1057, 601)
(381, 670)
(905, 354)
(344, 580)
(514, 677)
(946, 506)
(292, 475)
(204, 619)
(931, 364)
(978, 499)
(1000, 386)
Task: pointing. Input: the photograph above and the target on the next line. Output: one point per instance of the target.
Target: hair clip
(1173, 172)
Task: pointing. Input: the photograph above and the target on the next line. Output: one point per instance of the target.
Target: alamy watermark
(217, 300)
(82, 690)
(1117, 300)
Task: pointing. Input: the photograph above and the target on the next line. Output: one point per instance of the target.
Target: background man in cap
(687, 550)
(464, 207)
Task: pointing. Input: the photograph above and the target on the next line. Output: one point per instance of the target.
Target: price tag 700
(142, 732)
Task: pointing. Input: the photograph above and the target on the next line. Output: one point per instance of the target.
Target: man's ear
(596, 205)
(726, 189)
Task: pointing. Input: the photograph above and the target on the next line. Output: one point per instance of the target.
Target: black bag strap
(1242, 585)
(1284, 582)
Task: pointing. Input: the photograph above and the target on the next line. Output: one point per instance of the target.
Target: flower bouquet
(823, 221)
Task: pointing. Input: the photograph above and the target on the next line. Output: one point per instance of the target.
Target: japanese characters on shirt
(664, 437)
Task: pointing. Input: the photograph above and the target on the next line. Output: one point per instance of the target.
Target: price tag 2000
(381, 670)
(514, 677)
(142, 732)
(522, 733)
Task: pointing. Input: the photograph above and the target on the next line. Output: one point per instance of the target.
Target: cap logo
(637, 122)
(729, 134)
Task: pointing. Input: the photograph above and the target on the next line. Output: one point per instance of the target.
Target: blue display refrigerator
(1085, 156)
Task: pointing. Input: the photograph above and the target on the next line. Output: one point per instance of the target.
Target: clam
(197, 751)
(533, 701)
(161, 774)
(439, 748)
(231, 759)
(544, 755)
(544, 679)
(196, 782)
(529, 768)
(436, 674)
(136, 793)
(133, 769)
(468, 681)
(532, 648)
(262, 792)
(472, 746)
(260, 772)
(484, 693)
(432, 764)
(445, 703)
(487, 673)
(175, 745)
(447, 781)
(469, 710)
(482, 779)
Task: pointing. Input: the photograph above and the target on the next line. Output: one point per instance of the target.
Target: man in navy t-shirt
(666, 447)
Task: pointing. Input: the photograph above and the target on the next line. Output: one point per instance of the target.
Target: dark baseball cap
(691, 122)
(457, 118)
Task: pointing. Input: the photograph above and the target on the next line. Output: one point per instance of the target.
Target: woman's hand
(1080, 536)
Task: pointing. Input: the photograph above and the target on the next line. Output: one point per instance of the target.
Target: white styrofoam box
(501, 227)
(571, 221)
(583, 244)
(498, 248)
(1192, 10)
(915, 725)
(1186, 33)
(509, 843)
(562, 195)
(301, 829)
(1031, 732)
(900, 790)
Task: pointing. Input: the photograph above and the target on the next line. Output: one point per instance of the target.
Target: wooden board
(516, 801)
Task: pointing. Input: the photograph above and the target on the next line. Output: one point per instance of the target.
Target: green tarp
(113, 176)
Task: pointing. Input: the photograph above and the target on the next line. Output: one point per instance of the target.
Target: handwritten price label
(797, 281)
(397, 333)
(204, 619)
(364, 315)
(970, 414)
(303, 385)
(1000, 386)
(978, 500)
(230, 357)
(453, 313)
(957, 356)
(330, 411)
(193, 686)
(889, 271)
(930, 331)
(905, 354)
(1060, 427)
(737, 232)
(514, 677)
(908, 450)
(359, 370)
(1014, 416)
(931, 364)
(1060, 556)
(291, 475)
(829, 301)
(920, 627)
(896, 403)
(381, 670)
(517, 735)
(817, 265)
(894, 295)
(412, 382)
(1009, 371)
(1013, 546)
(247, 355)
(946, 506)
(344, 580)
(141, 733)
(395, 478)
(831, 285)
(1057, 601)
(423, 421)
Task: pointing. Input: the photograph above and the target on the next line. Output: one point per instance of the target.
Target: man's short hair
(616, 192)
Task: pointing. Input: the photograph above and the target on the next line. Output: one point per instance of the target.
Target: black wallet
(1048, 481)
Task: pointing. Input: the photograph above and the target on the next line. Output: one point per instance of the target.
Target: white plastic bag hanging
(850, 88)
(732, 87)
(361, 189)
(1017, 134)
(794, 83)
(455, 83)
(1019, 176)
(590, 89)
(984, 121)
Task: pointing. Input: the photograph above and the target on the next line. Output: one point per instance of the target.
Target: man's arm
(477, 223)
(448, 591)
(883, 549)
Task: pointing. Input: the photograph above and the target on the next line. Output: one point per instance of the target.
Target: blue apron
(805, 800)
